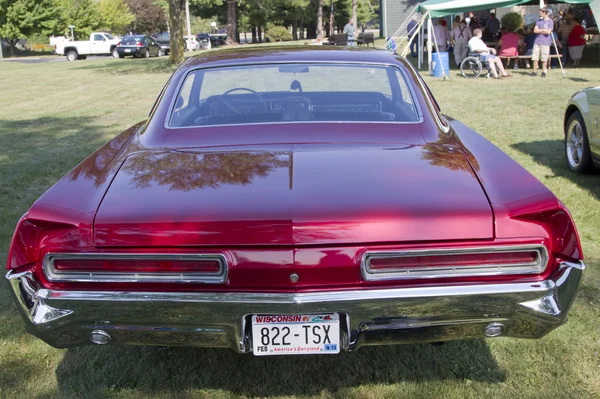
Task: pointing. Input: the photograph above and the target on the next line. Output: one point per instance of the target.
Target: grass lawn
(52, 115)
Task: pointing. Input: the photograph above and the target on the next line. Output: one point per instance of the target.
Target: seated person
(529, 41)
(509, 46)
(488, 55)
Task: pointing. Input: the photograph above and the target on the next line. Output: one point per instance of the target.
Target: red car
(295, 201)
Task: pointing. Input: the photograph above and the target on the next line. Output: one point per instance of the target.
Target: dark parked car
(164, 41)
(283, 200)
(138, 46)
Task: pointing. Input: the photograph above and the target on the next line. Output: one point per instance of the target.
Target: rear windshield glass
(294, 93)
(132, 39)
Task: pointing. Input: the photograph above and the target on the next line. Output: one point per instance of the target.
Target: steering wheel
(221, 99)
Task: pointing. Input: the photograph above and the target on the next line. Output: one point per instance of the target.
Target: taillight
(139, 44)
(118, 44)
(461, 262)
(32, 234)
(118, 268)
(561, 228)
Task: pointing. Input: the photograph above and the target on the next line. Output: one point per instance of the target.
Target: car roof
(291, 53)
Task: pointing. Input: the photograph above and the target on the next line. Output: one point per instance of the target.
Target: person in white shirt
(488, 54)
(460, 36)
(442, 37)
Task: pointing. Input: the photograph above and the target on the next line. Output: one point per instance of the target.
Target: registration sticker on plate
(296, 334)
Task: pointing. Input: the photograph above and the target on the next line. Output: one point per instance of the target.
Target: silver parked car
(582, 134)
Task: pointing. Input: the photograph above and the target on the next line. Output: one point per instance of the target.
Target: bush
(512, 20)
(278, 34)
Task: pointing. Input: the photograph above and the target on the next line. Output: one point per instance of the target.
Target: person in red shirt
(576, 42)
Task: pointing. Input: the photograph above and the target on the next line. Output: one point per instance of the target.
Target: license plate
(296, 334)
(127, 50)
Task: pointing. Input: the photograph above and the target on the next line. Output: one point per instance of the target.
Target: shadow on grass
(551, 154)
(35, 154)
(91, 370)
(130, 66)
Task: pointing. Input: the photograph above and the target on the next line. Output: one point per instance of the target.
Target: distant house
(393, 13)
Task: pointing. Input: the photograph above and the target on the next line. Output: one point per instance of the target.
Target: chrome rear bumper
(369, 317)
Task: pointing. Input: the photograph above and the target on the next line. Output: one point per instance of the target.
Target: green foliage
(512, 20)
(83, 14)
(38, 39)
(23, 18)
(200, 25)
(278, 34)
(367, 11)
(149, 16)
(116, 16)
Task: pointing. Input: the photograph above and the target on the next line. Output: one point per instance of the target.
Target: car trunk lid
(285, 195)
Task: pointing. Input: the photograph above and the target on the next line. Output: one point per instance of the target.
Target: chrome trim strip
(536, 267)
(439, 117)
(218, 277)
(297, 298)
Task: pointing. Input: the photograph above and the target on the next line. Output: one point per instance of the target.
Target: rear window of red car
(294, 93)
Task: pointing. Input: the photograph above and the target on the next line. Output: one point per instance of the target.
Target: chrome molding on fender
(402, 273)
(207, 277)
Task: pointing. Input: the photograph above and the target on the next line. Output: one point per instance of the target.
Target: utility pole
(187, 17)
(1, 51)
(331, 19)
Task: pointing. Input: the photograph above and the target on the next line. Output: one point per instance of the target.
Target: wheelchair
(472, 66)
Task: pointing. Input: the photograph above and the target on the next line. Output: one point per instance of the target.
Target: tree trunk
(176, 23)
(301, 29)
(311, 31)
(245, 36)
(254, 40)
(354, 16)
(13, 46)
(231, 21)
(294, 30)
(320, 19)
(259, 34)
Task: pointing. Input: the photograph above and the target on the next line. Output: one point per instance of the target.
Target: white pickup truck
(100, 43)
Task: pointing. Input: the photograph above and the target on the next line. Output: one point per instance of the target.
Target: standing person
(460, 36)
(577, 42)
(350, 30)
(541, 47)
(414, 45)
(468, 19)
(442, 37)
(493, 24)
(564, 31)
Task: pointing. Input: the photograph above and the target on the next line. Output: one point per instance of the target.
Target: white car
(100, 43)
(192, 43)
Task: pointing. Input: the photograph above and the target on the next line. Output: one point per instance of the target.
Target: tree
(83, 14)
(231, 21)
(22, 18)
(320, 19)
(149, 17)
(116, 16)
(176, 8)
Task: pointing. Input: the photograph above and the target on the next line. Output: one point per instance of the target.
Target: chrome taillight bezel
(432, 272)
(54, 275)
